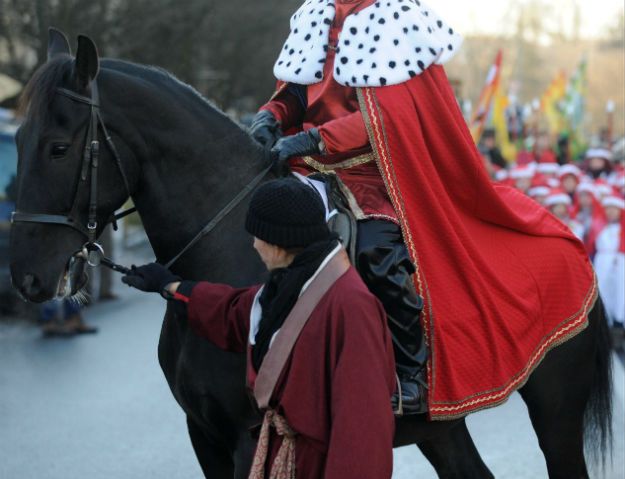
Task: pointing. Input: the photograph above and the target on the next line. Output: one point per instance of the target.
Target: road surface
(99, 407)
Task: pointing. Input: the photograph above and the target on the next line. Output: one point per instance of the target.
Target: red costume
(503, 280)
(335, 388)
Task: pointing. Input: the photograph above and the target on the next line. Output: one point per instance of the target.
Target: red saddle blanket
(503, 280)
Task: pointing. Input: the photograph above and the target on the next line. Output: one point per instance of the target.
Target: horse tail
(598, 412)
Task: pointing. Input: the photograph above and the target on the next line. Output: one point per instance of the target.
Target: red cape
(503, 280)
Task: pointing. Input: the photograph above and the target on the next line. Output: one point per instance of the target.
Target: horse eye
(59, 150)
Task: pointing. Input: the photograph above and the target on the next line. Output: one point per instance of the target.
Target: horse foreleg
(454, 455)
(216, 462)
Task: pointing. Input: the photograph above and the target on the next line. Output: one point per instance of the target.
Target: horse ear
(87, 61)
(57, 43)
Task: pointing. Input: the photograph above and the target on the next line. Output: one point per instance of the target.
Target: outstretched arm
(217, 312)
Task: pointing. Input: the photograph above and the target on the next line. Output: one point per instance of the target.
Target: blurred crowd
(586, 194)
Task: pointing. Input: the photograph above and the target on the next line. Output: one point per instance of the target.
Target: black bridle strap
(17, 217)
(222, 214)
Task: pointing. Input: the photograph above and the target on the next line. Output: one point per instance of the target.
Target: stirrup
(399, 412)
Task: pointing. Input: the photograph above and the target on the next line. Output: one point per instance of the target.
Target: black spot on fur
(344, 60)
(421, 65)
(396, 42)
(450, 47)
(405, 8)
(451, 31)
(396, 16)
(439, 23)
(327, 21)
(432, 51)
(407, 62)
(392, 64)
(374, 65)
(376, 38)
(338, 71)
(411, 73)
(359, 61)
(318, 74)
(381, 21)
(371, 50)
(418, 49)
(382, 81)
(366, 78)
(307, 37)
(353, 30)
(297, 71)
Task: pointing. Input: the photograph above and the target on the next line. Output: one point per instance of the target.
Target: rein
(90, 162)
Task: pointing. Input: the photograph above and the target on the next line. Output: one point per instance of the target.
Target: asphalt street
(99, 407)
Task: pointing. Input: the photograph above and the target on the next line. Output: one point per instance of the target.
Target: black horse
(183, 161)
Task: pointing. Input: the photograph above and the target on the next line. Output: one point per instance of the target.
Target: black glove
(265, 129)
(151, 277)
(301, 144)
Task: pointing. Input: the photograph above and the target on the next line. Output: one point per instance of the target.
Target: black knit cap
(287, 213)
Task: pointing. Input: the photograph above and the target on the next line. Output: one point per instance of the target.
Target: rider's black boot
(385, 266)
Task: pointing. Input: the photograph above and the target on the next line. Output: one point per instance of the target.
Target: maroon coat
(335, 389)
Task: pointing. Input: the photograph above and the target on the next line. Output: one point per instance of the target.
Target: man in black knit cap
(320, 356)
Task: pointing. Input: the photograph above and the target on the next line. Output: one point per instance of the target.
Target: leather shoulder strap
(280, 350)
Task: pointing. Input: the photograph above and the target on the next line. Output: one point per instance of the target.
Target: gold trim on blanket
(341, 165)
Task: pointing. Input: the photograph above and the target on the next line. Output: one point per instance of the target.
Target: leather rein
(89, 171)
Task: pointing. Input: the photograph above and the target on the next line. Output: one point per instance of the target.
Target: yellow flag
(508, 149)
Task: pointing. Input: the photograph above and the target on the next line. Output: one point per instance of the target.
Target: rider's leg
(385, 266)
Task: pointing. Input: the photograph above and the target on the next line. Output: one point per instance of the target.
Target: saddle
(343, 221)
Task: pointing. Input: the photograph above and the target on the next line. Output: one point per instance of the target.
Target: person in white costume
(610, 264)
(559, 203)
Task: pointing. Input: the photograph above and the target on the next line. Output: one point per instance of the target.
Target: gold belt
(341, 165)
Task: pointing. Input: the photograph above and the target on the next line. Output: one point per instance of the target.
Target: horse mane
(40, 89)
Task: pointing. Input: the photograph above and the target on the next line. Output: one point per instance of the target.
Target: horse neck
(193, 160)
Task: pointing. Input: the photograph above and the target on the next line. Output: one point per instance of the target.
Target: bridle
(89, 172)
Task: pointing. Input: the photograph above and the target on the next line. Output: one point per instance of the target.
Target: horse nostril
(31, 286)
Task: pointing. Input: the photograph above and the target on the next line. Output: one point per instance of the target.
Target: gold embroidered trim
(341, 165)
(377, 136)
(562, 335)
(577, 322)
(278, 91)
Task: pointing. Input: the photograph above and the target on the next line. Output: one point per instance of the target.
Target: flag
(552, 104)
(574, 105)
(508, 149)
(482, 109)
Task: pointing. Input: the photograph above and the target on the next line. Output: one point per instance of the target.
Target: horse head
(61, 173)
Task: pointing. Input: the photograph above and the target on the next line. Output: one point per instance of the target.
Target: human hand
(151, 278)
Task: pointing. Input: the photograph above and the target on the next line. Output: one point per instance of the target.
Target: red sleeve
(221, 314)
(287, 108)
(345, 134)
(363, 381)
